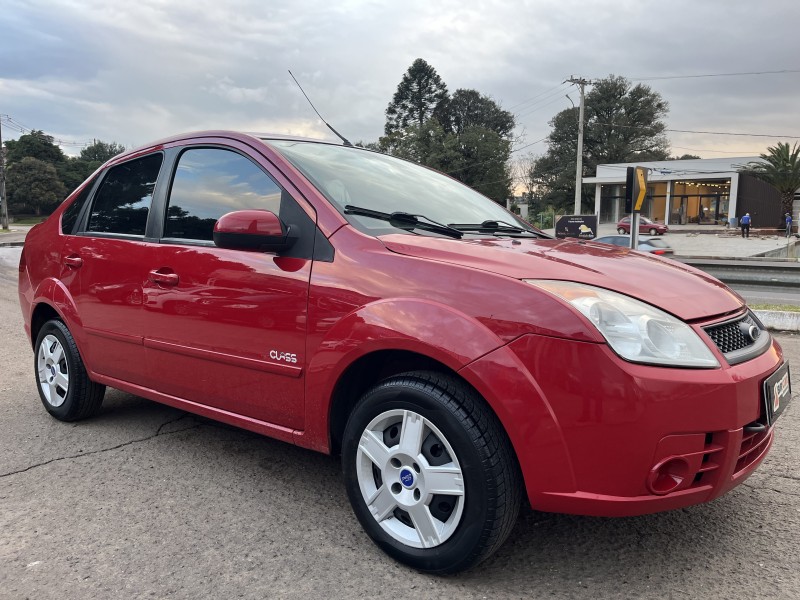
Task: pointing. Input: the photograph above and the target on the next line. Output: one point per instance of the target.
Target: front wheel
(430, 472)
(620, 230)
(64, 386)
(653, 231)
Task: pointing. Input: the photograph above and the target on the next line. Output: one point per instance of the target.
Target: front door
(225, 328)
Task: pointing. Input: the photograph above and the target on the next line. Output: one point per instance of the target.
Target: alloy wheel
(53, 371)
(410, 478)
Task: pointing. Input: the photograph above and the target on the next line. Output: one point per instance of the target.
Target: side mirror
(253, 230)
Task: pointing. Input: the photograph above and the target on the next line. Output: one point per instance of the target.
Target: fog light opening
(668, 475)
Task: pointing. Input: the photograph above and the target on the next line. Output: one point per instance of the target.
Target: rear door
(226, 328)
(105, 268)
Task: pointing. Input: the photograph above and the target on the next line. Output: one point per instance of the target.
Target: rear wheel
(430, 472)
(64, 387)
(620, 230)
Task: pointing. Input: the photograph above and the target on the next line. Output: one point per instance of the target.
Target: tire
(64, 387)
(430, 472)
(621, 230)
(653, 231)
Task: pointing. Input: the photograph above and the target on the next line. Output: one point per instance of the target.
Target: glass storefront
(701, 202)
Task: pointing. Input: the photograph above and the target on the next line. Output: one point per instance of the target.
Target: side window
(210, 182)
(123, 200)
(70, 215)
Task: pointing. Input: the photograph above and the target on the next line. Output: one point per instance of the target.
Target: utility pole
(3, 203)
(581, 82)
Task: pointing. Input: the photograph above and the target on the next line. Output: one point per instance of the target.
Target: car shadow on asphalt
(632, 556)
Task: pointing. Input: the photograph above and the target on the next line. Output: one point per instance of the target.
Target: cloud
(135, 72)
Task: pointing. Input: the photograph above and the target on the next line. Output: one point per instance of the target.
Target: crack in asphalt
(118, 446)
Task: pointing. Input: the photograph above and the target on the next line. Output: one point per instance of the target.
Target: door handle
(73, 261)
(161, 278)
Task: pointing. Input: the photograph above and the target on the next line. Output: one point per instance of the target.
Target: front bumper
(596, 435)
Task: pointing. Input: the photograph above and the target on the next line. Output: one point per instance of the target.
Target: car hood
(671, 286)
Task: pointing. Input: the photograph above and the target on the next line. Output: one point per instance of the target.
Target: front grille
(731, 336)
(734, 340)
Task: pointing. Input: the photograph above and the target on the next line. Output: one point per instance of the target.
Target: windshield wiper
(404, 220)
(492, 226)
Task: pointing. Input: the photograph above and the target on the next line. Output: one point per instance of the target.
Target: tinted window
(656, 243)
(209, 183)
(70, 215)
(123, 200)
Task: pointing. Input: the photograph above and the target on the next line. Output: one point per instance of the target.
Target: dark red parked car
(645, 226)
(355, 303)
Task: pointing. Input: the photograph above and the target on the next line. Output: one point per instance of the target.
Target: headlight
(636, 331)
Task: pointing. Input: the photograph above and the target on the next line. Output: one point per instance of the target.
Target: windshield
(357, 177)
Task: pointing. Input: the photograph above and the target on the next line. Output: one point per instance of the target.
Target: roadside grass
(29, 221)
(778, 307)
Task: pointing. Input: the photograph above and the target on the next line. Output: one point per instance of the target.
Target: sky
(135, 72)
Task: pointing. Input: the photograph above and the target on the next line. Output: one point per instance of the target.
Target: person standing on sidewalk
(788, 224)
(745, 223)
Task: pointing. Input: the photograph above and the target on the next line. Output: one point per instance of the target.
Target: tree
(470, 108)
(467, 136)
(779, 167)
(623, 123)
(428, 144)
(485, 156)
(34, 145)
(99, 152)
(34, 183)
(74, 171)
(420, 96)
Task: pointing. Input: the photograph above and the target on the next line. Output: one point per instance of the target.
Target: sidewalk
(713, 241)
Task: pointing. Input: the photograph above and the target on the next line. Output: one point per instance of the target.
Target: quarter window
(71, 213)
(210, 182)
(123, 201)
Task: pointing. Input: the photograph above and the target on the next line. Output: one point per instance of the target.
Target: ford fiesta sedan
(353, 303)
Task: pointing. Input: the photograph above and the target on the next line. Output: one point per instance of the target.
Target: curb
(778, 320)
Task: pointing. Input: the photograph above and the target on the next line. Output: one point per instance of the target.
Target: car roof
(247, 137)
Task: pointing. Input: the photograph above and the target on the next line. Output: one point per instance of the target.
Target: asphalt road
(760, 294)
(145, 501)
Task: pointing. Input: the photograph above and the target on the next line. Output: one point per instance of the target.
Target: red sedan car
(354, 303)
(645, 226)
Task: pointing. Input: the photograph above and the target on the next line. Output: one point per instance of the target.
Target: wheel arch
(42, 313)
(52, 300)
(366, 372)
(416, 334)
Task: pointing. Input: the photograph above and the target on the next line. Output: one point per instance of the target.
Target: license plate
(777, 392)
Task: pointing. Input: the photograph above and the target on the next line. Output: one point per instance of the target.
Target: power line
(532, 110)
(739, 152)
(766, 135)
(11, 123)
(535, 97)
(469, 166)
(714, 75)
(528, 145)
